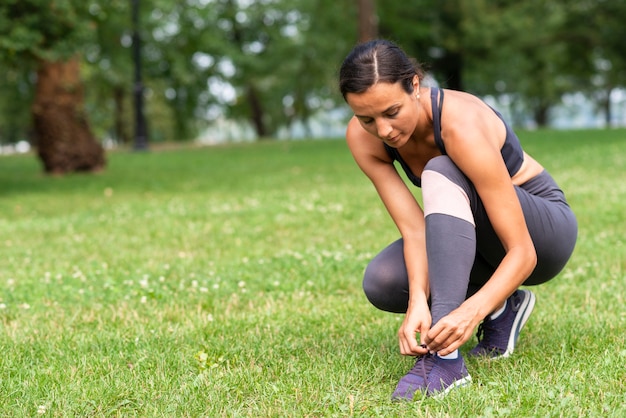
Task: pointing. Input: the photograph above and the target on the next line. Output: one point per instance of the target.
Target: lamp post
(141, 138)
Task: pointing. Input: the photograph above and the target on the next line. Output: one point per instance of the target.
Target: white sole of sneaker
(525, 309)
(458, 383)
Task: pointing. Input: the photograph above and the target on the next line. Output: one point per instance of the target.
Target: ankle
(498, 312)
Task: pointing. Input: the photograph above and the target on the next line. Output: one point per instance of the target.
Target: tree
(47, 36)
(431, 31)
(368, 20)
(274, 55)
(518, 51)
(531, 51)
(16, 88)
(596, 51)
(109, 70)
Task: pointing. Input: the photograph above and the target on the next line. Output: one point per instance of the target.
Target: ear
(416, 83)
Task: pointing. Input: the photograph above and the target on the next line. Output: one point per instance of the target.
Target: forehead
(377, 99)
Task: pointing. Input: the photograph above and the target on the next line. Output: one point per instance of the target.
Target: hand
(416, 320)
(452, 331)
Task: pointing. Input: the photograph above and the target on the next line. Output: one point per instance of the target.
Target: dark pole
(141, 139)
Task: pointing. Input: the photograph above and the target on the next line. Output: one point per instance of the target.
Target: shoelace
(424, 365)
(484, 326)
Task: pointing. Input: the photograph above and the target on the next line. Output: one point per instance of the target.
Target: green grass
(225, 282)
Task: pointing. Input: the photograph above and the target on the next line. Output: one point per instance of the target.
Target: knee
(374, 282)
(446, 190)
(441, 164)
(385, 288)
(442, 171)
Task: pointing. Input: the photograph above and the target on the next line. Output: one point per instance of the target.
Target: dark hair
(377, 61)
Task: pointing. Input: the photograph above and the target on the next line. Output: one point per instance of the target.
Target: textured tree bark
(65, 142)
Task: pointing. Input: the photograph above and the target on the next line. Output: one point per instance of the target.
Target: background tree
(530, 52)
(280, 57)
(431, 31)
(523, 53)
(108, 71)
(17, 88)
(272, 65)
(368, 20)
(596, 51)
(261, 63)
(179, 38)
(42, 36)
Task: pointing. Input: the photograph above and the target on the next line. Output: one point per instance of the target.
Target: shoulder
(465, 107)
(465, 115)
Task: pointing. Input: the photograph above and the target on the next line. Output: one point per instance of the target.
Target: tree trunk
(368, 21)
(65, 142)
(541, 115)
(257, 113)
(607, 109)
(121, 133)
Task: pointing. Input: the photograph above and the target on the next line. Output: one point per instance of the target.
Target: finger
(454, 341)
(404, 344)
(441, 338)
(410, 339)
(424, 337)
(411, 348)
(449, 349)
(421, 350)
(430, 338)
(404, 349)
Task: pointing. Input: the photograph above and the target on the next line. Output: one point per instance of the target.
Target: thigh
(554, 230)
(551, 224)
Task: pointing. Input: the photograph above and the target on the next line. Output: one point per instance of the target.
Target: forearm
(513, 270)
(417, 269)
(417, 319)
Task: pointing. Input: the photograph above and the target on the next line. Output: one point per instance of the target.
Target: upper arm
(473, 142)
(371, 156)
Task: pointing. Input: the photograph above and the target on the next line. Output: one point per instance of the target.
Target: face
(386, 111)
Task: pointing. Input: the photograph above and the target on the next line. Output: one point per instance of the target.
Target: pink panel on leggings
(441, 195)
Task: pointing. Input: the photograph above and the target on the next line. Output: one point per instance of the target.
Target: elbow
(526, 257)
(531, 258)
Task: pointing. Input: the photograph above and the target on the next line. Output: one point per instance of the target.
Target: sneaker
(497, 337)
(432, 376)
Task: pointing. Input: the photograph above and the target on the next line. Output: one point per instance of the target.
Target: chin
(398, 143)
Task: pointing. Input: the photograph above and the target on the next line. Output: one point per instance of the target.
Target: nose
(383, 128)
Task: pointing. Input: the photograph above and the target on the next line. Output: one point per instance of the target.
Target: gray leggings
(461, 257)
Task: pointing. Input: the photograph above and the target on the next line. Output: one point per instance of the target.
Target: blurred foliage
(534, 51)
(274, 63)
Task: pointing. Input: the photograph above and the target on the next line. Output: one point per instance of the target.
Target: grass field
(225, 282)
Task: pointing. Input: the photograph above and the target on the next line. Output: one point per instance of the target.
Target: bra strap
(437, 117)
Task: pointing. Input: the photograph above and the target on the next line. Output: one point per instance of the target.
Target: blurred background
(81, 76)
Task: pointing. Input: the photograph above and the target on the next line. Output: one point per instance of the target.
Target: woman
(492, 219)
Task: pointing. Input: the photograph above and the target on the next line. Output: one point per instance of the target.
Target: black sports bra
(511, 151)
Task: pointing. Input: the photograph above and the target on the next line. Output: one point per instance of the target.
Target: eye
(393, 113)
(366, 121)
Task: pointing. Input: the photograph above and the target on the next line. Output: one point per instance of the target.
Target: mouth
(392, 140)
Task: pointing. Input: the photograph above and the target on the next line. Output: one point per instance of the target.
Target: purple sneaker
(433, 376)
(497, 337)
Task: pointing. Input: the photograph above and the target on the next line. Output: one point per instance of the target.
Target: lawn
(226, 282)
